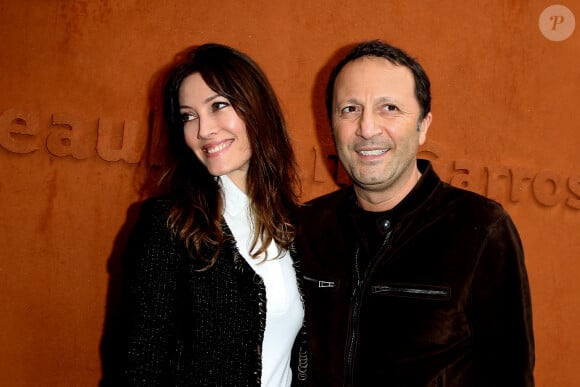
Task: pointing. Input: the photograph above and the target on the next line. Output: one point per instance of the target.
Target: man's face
(376, 124)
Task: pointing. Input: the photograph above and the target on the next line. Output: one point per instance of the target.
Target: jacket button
(386, 224)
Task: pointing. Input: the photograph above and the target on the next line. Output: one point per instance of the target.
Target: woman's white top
(284, 309)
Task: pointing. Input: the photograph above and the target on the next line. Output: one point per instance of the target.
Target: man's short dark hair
(380, 49)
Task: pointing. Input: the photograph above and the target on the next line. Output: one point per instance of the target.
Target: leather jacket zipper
(353, 323)
(411, 291)
(355, 309)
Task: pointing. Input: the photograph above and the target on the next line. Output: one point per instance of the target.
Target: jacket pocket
(426, 292)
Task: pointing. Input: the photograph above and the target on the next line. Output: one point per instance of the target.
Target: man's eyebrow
(349, 100)
(387, 99)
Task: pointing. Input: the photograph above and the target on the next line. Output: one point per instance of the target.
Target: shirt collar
(235, 200)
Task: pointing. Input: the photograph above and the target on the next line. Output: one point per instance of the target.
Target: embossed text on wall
(64, 134)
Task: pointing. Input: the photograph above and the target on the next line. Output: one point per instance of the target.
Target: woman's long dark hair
(272, 180)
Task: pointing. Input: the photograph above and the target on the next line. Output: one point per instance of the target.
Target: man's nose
(367, 127)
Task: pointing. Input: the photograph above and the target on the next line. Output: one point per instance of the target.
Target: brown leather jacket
(444, 302)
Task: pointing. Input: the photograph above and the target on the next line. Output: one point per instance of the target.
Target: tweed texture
(187, 327)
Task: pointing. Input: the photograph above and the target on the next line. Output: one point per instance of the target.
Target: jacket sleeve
(149, 299)
(501, 310)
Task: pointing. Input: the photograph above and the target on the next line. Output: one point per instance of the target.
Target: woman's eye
(219, 105)
(188, 117)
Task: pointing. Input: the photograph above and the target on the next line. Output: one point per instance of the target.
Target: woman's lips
(214, 149)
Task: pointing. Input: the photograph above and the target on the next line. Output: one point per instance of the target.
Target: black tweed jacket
(187, 327)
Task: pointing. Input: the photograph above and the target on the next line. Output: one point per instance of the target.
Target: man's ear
(423, 127)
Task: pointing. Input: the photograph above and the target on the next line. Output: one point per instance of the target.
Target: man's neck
(387, 199)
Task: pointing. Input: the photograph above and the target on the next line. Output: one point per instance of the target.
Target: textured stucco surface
(74, 73)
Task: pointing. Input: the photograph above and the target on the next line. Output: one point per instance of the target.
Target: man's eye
(188, 117)
(349, 109)
(390, 108)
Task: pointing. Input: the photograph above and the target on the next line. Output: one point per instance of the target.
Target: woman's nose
(207, 127)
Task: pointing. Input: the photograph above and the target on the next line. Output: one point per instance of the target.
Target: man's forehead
(374, 73)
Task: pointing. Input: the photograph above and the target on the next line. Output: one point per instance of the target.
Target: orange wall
(74, 73)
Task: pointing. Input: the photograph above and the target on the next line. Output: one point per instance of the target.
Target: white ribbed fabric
(284, 310)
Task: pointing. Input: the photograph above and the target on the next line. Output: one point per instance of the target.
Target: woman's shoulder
(151, 215)
(156, 206)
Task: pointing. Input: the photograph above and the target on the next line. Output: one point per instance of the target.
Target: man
(408, 280)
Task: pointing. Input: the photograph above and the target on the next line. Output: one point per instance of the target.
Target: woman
(212, 293)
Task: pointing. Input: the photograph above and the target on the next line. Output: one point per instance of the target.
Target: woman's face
(214, 131)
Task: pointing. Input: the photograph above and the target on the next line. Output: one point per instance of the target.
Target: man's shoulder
(324, 210)
(435, 192)
(469, 203)
(331, 200)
